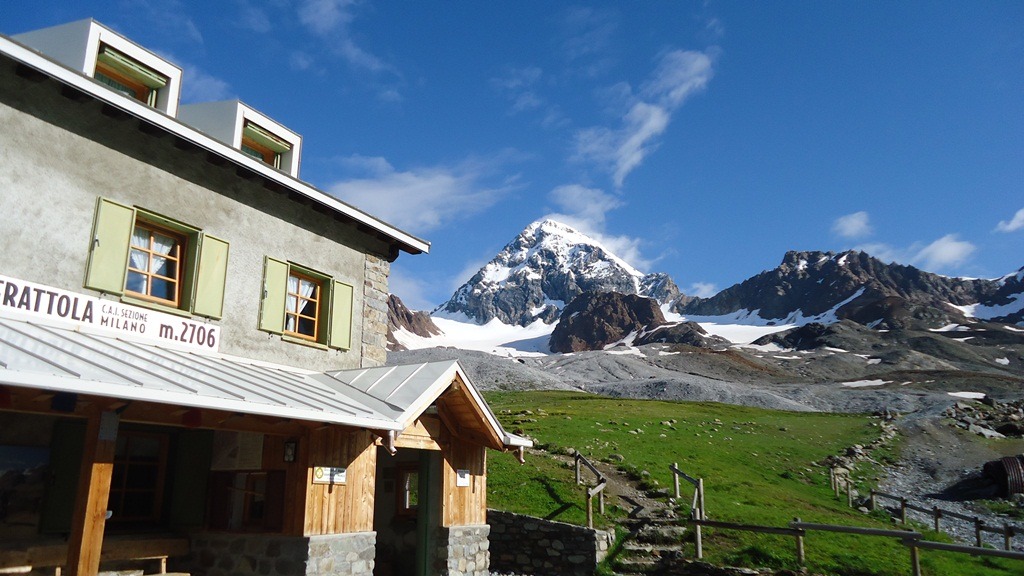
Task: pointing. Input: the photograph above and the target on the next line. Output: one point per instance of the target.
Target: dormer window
(128, 76)
(261, 144)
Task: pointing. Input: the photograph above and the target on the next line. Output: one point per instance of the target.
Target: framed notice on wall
(329, 475)
(462, 477)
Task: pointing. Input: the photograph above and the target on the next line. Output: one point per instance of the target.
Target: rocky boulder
(593, 320)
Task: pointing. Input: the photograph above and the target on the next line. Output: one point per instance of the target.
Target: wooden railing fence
(842, 483)
(912, 540)
(597, 490)
(697, 511)
(1007, 530)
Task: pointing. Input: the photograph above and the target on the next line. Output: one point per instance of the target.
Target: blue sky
(699, 139)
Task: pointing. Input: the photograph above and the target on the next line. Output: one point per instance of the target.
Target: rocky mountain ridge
(827, 287)
(540, 271)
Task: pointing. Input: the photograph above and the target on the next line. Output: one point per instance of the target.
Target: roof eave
(61, 73)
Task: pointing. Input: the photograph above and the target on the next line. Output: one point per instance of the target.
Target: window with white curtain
(302, 307)
(155, 264)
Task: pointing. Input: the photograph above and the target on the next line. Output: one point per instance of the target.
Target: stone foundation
(527, 545)
(464, 551)
(262, 555)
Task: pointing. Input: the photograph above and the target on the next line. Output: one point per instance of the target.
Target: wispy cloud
(519, 85)
(412, 289)
(1014, 224)
(944, 254)
(168, 17)
(678, 75)
(333, 19)
(253, 18)
(417, 200)
(586, 209)
(855, 225)
(702, 289)
(588, 31)
(197, 85)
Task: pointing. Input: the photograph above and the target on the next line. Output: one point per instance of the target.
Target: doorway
(407, 512)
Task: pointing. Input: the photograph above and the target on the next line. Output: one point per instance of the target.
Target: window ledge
(304, 342)
(154, 306)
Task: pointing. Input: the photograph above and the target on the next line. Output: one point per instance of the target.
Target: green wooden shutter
(340, 334)
(211, 276)
(275, 290)
(111, 238)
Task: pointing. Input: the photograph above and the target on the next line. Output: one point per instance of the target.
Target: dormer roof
(91, 48)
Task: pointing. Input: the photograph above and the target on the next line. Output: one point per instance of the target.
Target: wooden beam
(90, 514)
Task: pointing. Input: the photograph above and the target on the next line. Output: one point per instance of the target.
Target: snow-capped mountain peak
(541, 270)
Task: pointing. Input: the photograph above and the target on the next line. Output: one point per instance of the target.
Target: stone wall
(463, 551)
(375, 311)
(253, 554)
(527, 545)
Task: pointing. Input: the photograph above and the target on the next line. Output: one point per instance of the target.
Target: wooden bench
(18, 559)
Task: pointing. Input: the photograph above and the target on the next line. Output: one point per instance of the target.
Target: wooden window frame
(297, 314)
(117, 493)
(262, 153)
(142, 93)
(180, 253)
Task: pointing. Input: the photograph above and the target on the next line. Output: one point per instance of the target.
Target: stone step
(640, 548)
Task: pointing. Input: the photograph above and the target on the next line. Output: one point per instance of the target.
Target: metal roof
(61, 73)
(58, 359)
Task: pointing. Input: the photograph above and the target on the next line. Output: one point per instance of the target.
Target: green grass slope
(757, 465)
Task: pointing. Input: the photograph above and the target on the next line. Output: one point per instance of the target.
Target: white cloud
(702, 289)
(945, 252)
(1015, 223)
(855, 225)
(678, 75)
(331, 20)
(585, 209)
(416, 200)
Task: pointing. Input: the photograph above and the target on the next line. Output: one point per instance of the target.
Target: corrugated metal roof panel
(45, 357)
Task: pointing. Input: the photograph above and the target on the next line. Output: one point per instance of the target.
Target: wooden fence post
(938, 514)
(1007, 534)
(874, 500)
(700, 492)
(849, 493)
(834, 479)
(675, 478)
(915, 560)
(903, 509)
(590, 510)
(800, 558)
(600, 502)
(978, 525)
(697, 535)
(578, 468)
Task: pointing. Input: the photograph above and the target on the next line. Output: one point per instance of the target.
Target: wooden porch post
(90, 513)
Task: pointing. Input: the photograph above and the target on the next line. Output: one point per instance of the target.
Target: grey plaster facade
(61, 152)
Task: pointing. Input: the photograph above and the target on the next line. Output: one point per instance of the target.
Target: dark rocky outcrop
(400, 317)
(594, 320)
(688, 333)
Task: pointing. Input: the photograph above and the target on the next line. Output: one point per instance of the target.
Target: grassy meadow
(759, 467)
